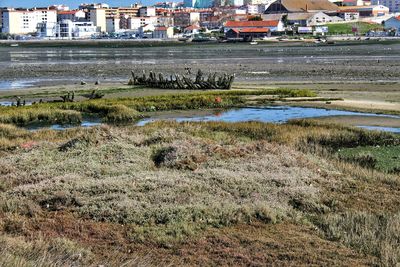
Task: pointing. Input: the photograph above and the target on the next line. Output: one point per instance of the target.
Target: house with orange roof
(192, 29)
(266, 25)
(163, 32)
(247, 34)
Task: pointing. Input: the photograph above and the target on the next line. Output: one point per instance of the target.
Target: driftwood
(68, 97)
(175, 81)
(19, 102)
(94, 95)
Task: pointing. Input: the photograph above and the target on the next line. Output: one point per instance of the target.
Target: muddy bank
(262, 63)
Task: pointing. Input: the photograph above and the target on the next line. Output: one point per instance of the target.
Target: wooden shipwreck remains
(94, 95)
(176, 81)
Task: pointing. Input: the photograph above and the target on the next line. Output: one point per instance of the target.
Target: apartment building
(98, 17)
(147, 11)
(393, 5)
(67, 29)
(25, 21)
(119, 12)
(137, 22)
(113, 25)
(72, 29)
(184, 19)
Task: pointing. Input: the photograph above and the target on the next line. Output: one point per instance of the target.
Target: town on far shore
(207, 21)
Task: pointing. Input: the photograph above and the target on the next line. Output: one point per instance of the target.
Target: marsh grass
(109, 175)
(25, 115)
(57, 252)
(373, 234)
(168, 182)
(127, 109)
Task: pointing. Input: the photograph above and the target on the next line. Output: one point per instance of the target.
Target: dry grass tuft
(373, 234)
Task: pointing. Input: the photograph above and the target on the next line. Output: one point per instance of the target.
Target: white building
(47, 29)
(73, 15)
(93, 6)
(147, 11)
(67, 29)
(60, 7)
(80, 30)
(113, 25)
(146, 31)
(237, 2)
(184, 19)
(163, 32)
(349, 16)
(25, 21)
(393, 5)
(252, 9)
(98, 17)
(310, 19)
(137, 22)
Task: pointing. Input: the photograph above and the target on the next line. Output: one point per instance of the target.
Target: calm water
(379, 128)
(276, 114)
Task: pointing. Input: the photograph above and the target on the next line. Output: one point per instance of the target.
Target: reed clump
(26, 115)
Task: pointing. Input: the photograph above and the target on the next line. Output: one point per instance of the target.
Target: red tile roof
(192, 27)
(251, 30)
(161, 28)
(262, 23)
(254, 30)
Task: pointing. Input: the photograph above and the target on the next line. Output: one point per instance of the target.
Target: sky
(70, 3)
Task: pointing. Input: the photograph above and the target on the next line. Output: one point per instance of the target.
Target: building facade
(163, 32)
(82, 29)
(25, 21)
(73, 15)
(67, 29)
(98, 17)
(393, 5)
(184, 19)
(199, 3)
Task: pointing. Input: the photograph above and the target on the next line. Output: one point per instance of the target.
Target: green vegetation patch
(128, 109)
(346, 28)
(384, 158)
